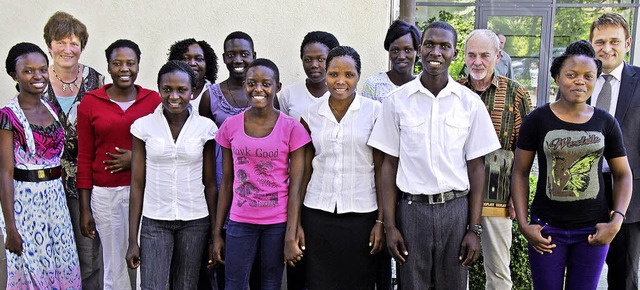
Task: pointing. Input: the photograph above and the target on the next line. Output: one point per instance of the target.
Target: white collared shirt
(433, 136)
(173, 188)
(343, 176)
(295, 99)
(615, 88)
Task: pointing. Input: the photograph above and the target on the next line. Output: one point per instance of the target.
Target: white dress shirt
(343, 175)
(173, 188)
(295, 99)
(615, 89)
(433, 136)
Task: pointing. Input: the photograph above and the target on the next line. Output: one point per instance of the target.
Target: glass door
(527, 41)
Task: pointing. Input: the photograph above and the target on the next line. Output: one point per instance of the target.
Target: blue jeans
(175, 247)
(582, 262)
(243, 242)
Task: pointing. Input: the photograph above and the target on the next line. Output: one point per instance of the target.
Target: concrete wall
(277, 27)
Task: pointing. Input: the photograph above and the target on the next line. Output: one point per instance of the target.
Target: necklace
(338, 114)
(233, 99)
(66, 84)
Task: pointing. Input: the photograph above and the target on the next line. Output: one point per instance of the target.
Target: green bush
(520, 272)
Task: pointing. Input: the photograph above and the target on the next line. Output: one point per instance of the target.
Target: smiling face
(314, 56)
(194, 57)
(437, 51)
(175, 90)
(123, 67)
(342, 77)
(31, 73)
(577, 78)
(611, 45)
(261, 86)
(402, 54)
(481, 57)
(238, 54)
(66, 51)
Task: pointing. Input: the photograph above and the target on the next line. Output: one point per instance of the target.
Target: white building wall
(276, 26)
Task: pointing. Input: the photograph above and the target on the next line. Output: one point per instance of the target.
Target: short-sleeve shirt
(173, 188)
(295, 99)
(261, 168)
(433, 136)
(570, 190)
(343, 173)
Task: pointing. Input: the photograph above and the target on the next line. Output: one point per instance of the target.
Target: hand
(293, 249)
(218, 250)
(119, 162)
(395, 244)
(376, 238)
(512, 209)
(605, 232)
(133, 256)
(469, 249)
(87, 225)
(13, 242)
(210, 261)
(533, 234)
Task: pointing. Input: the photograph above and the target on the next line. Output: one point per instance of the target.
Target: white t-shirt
(295, 99)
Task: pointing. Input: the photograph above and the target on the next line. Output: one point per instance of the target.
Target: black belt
(437, 198)
(37, 175)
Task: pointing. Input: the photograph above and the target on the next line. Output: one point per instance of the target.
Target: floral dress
(49, 259)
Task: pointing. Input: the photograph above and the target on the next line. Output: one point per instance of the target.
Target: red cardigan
(102, 126)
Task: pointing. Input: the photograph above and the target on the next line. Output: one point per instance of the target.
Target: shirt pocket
(456, 131)
(193, 146)
(412, 132)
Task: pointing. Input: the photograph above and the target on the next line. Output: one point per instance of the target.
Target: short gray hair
(493, 38)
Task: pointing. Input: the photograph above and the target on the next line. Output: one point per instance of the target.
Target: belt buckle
(41, 174)
(437, 198)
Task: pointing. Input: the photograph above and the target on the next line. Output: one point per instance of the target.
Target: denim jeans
(582, 262)
(243, 242)
(175, 247)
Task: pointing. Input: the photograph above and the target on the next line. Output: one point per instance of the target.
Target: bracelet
(380, 222)
(624, 217)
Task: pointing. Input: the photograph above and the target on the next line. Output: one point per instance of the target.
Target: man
(504, 65)
(617, 90)
(435, 133)
(508, 102)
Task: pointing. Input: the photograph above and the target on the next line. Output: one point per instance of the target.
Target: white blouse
(295, 99)
(343, 175)
(173, 188)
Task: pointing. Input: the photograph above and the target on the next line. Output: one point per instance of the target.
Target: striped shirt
(507, 102)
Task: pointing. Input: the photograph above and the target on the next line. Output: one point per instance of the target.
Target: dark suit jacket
(628, 115)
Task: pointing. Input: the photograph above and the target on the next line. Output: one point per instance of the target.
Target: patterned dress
(49, 259)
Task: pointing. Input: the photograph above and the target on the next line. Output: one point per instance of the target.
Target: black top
(570, 190)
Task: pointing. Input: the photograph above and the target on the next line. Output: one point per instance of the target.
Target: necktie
(604, 98)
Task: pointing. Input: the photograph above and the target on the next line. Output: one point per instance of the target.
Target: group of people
(205, 185)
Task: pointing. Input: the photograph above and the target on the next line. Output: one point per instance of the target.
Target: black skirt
(337, 250)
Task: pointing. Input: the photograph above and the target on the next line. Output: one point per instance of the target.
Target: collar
(616, 72)
(325, 110)
(466, 81)
(452, 88)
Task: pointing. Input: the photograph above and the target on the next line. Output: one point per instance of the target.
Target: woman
(202, 59)
(66, 38)
(402, 43)
(571, 225)
(104, 156)
(173, 176)
(36, 223)
(341, 181)
(294, 99)
(263, 162)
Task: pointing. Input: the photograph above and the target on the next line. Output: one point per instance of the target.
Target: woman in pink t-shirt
(263, 163)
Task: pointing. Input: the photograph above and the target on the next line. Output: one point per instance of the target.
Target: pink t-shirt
(261, 168)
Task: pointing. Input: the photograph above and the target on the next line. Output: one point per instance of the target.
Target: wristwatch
(476, 229)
